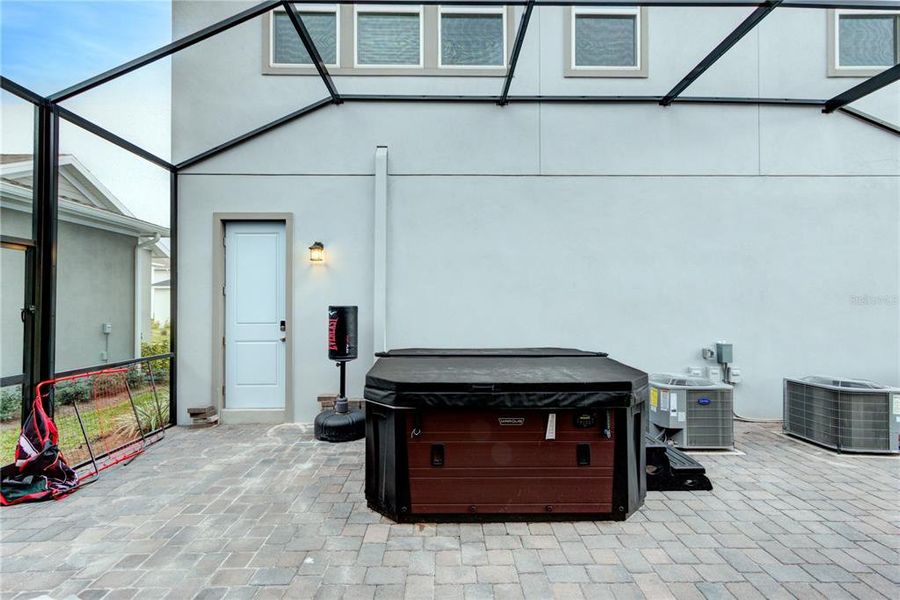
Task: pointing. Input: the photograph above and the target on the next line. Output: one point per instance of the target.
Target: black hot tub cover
(503, 378)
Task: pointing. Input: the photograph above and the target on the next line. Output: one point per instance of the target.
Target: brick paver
(266, 512)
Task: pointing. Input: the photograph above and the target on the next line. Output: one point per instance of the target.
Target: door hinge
(223, 391)
(223, 290)
(223, 341)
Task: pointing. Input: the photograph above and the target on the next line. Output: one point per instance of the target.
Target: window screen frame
(835, 69)
(473, 10)
(387, 9)
(609, 71)
(269, 39)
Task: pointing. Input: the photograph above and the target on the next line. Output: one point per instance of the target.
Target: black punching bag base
(331, 426)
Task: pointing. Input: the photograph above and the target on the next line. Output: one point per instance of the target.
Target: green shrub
(160, 367)
(137, 376)
(71, 392)
(10, 403)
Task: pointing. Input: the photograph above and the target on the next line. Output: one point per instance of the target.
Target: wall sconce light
(317, 253)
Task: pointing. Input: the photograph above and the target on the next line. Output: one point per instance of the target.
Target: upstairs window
(472, 37)
(322, 23)
(389, 36)
(605, 42)
(388, 40)
(863, 43)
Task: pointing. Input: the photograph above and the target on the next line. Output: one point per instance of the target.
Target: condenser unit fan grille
(839, 416)
(709, 420)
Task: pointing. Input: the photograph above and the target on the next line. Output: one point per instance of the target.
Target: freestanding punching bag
(341, 424)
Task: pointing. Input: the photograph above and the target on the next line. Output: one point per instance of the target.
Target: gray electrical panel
(724, 353)
(692, 412)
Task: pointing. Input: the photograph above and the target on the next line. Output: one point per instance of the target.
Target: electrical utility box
(692, 412)
(724, 353)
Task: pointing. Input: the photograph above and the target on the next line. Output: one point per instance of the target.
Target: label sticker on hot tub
(664, 400)
(654, 399)
(897, 404)
(673, 403)
(511, 420)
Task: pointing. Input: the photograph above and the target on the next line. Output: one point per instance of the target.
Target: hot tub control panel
(585, 420)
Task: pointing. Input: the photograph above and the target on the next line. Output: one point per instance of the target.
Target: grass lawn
(101, 425)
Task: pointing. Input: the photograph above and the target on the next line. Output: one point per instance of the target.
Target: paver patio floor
(259, 512)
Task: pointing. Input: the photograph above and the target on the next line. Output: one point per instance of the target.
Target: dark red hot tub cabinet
(456, 435)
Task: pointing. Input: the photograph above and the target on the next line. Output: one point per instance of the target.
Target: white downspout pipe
(379, 253)
(139, 251)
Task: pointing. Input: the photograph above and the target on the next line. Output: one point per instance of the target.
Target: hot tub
(504, 434)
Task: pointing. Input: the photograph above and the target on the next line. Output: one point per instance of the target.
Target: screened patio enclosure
(41, 248)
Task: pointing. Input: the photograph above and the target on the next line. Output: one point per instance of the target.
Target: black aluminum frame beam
(846, 4)
(724, 46)
(810, 4)
(21, 91)
(112, 138)
(872, 84)
(584, 99)
(514, 55)
(234, 142)
(40, 329)
(871, 119)
(311, 49)
(79, 121)
(173, 297)
(162, 52)
(268, 5)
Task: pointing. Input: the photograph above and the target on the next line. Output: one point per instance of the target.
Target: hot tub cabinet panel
(435, 455)
(500, 462)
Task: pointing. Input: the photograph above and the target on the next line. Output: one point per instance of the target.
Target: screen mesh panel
(867, 40)
(471, 40)
(388, 39)
(605, 41)
(287, 47)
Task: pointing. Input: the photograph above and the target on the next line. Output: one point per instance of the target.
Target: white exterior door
(254, 315)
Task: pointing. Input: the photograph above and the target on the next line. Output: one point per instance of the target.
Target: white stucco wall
(641, 231)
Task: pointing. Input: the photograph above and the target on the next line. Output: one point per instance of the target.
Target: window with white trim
(389, 36)
(606, 42)
(472, 37)
(321, 21)
(385, 40)
(863, 43)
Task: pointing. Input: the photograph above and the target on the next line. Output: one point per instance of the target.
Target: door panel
(12, 267)
(254, 311)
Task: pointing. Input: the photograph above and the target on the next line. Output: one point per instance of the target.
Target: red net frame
(99, 422)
